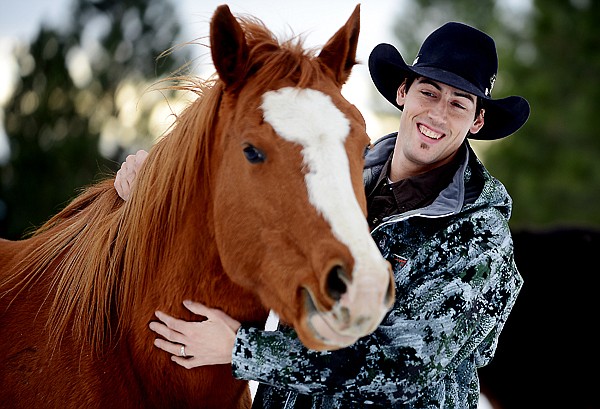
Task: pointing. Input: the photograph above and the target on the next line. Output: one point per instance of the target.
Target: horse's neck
(191, 269)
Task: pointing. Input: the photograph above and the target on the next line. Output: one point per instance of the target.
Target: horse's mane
(99, 252)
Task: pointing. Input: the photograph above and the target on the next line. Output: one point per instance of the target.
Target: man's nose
(439, 109)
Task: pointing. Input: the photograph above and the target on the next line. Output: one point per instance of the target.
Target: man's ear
(478, 122)
(401, 93)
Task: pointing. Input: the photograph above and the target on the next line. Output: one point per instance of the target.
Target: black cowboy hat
(462, 57)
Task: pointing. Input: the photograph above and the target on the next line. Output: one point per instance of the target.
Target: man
(440, 219)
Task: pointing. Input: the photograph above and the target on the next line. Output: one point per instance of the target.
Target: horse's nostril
(336, 282)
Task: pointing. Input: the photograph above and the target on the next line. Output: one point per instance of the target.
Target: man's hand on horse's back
(128, 172)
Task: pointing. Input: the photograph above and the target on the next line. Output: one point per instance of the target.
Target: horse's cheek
(236, 236)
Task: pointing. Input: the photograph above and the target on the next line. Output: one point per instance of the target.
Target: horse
(253, 201)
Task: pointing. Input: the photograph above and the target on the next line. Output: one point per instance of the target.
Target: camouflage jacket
(456, 283)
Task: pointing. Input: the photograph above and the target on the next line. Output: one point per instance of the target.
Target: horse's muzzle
(360, 306)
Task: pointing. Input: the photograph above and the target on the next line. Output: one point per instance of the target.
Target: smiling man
(438, 217)
(436, 119)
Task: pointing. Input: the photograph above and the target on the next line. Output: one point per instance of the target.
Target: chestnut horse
(254, 201)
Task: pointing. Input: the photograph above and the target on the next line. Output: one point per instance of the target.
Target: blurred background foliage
(81, 102)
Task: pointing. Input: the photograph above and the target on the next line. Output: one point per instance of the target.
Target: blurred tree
(78, 92)
(51, 151)
(551, 168)
(549, 53)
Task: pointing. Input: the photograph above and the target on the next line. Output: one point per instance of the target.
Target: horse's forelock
(273, 59)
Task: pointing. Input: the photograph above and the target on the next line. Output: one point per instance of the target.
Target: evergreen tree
(62, 106)
(551, 168)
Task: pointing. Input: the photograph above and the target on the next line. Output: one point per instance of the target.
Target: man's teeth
(429, 133)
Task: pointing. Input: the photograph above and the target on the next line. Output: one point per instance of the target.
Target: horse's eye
(253, 154)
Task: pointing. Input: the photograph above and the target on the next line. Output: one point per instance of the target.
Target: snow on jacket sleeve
(453, 296)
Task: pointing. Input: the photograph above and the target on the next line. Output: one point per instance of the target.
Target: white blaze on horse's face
(310, 118)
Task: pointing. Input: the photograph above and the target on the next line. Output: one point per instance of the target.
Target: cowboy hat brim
(502, 116)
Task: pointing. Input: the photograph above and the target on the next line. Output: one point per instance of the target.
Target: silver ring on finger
(182, 352)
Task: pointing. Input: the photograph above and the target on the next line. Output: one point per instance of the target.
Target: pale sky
(319, 18)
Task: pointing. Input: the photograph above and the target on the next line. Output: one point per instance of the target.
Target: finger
(140, 156)
(198, 308)
(173, 323)
(130, 160)
(122, 186)
(134, 162)
(117, 185)
(212, 314)
(170, 347)
(129, 168)
(129, 179)
(167, 333)
(196, 361)
(187, 363)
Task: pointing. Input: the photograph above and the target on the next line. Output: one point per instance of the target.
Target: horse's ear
(339, 54)
(228, 46)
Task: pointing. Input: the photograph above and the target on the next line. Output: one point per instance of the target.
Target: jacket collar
(449, 201)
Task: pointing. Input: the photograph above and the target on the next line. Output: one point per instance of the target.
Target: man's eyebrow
(437, 86)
